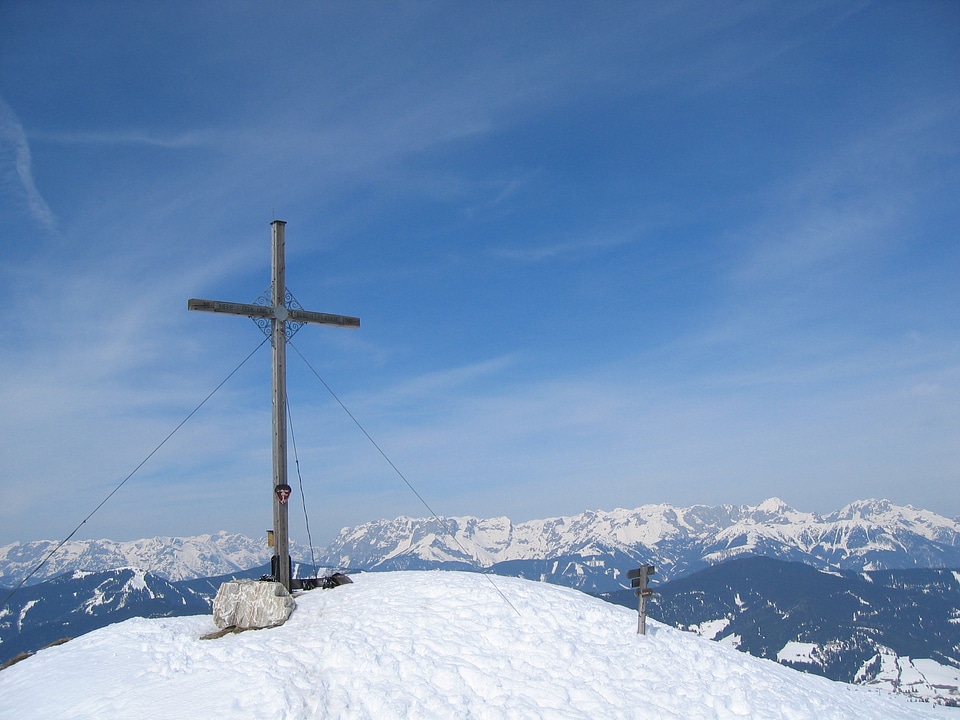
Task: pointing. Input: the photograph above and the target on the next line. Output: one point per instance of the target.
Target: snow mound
(426, 645)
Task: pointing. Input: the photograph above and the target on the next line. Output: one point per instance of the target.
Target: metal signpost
(638, 581)
(279, 319)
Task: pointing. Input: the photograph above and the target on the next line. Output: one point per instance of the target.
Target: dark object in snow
(24, 655)
(325, 583)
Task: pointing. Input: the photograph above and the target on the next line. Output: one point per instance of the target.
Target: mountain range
(593, 550)
(171, 558)
(589, 551)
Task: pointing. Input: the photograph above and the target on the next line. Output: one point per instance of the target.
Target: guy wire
(303, 499)
(132, 473)
(443, 523)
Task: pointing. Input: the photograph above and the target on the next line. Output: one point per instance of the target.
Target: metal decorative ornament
(289, 302)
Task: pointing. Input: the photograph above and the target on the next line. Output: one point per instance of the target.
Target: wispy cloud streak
(18, 163)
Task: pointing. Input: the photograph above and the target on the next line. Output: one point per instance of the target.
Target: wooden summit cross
(279, 315)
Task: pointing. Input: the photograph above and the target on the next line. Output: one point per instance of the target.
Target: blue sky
(604, 255)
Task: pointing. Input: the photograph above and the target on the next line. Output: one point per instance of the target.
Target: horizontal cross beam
(279, 313)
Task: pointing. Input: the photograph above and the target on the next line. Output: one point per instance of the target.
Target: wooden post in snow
(638, 581)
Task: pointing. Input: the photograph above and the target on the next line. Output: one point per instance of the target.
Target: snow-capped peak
(866, 535)
(172, 558)
(773, 507)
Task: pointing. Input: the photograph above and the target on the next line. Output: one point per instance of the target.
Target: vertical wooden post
(279, 356)
(642, 616)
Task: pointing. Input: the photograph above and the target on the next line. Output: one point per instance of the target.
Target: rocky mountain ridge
(590, 551)
(170, 558)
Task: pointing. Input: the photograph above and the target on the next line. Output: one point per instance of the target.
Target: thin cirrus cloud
(19, 168)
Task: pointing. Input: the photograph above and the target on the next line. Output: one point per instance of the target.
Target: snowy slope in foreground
(426, 645)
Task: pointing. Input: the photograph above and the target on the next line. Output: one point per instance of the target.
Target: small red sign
(283, 493)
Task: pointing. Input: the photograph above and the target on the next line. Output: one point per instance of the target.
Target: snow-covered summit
(426, 645)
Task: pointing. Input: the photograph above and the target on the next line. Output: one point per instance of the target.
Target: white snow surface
(426, 645)
(800, 652)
